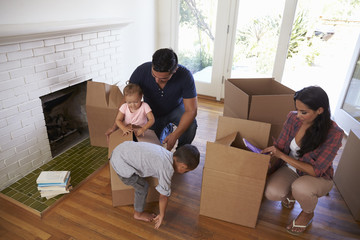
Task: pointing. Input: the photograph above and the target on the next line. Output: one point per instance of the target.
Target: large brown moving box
(123, 194)
(259, 99)
(233, 177)
(347, 177)
(102, 105)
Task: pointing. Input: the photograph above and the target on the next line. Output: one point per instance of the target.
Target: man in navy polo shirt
(169, 89)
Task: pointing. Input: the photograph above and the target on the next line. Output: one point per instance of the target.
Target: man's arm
(190, 105)
(163, 200)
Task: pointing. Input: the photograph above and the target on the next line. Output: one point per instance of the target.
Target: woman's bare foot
(300, 224)
(144, 216)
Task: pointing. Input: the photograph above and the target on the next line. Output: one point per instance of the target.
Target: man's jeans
(174, 117)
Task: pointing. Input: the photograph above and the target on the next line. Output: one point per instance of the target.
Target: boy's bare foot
(144, 216)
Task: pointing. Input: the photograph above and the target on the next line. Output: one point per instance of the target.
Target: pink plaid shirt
(322, 157)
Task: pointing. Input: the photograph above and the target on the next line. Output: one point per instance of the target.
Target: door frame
(341, 117)
(225, 33)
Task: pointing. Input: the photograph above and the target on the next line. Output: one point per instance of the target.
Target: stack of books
(53, 183)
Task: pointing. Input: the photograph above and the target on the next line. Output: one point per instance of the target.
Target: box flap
(260, 86)
(116, 99)
(238, 108)
(103, 95)
(258, 132)
(117, 137)
(236, 161)
(227, 140)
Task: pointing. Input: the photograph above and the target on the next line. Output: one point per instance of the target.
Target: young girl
(134, 115)
(307, 144)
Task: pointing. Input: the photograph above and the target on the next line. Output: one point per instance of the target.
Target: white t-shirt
(293, 153)
(135, 118)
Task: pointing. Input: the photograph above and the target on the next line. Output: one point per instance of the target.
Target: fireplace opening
(65, 117)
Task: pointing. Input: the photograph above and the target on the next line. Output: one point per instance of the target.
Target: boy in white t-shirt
(134, 115)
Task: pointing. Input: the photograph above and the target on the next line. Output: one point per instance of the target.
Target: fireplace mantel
(33, 31)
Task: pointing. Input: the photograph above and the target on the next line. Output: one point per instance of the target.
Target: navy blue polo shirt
(163, 101)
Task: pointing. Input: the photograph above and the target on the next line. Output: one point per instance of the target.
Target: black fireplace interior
(65, 117)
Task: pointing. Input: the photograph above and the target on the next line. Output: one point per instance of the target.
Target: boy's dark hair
(189, 155)
(132, 88)
(165, 60)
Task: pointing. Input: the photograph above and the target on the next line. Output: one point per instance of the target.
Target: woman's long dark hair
(314, 97)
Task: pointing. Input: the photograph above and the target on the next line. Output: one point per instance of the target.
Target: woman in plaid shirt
(307, 146)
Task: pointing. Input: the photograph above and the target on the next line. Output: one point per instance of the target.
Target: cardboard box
(233, 177)
(102, 105)
(259, 99)
(123, 194)
(347, 176)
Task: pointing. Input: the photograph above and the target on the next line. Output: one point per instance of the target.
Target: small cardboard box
(233, 177)
(259, 99)
(347, 178)
(123, 194)
(102, 105)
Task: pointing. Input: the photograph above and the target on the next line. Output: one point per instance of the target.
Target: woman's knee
(272, 193)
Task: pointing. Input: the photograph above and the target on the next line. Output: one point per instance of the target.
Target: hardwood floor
(88, 213)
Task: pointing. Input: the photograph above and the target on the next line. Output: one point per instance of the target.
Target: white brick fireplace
(38, 63)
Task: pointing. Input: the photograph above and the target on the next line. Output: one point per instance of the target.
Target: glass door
(196, 39)
(322, 42)
(256, 38)
(347, 113)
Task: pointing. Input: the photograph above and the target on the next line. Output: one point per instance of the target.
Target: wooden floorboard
(88, 212)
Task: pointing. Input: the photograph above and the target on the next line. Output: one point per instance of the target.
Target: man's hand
(158, 220)
(170, 141)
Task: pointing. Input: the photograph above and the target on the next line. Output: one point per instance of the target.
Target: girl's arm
(120, 123)
(151, 121)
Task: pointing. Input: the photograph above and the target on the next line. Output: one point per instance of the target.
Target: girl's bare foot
(144, 216)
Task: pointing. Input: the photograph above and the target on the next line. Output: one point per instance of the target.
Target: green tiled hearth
(82, 160)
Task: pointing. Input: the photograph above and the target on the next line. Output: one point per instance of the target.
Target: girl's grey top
(145, 160)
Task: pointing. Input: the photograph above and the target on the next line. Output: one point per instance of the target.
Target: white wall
(141, 39)
(138, 42)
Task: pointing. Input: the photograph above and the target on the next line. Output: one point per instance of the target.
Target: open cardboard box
(347, 176)
(259, 99)
(123, 194)
(234, 177)
(102, 105)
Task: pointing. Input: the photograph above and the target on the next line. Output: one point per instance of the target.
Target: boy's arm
(163, 200)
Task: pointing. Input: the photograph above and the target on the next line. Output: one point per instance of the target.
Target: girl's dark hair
(314, 97)
(132, 88)
(164, 60)
(189, 155)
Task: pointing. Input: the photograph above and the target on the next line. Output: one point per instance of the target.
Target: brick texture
(31, 69)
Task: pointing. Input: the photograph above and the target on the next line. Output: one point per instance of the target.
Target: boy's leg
(141, 189)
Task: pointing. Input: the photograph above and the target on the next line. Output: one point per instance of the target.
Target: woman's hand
(273, 151)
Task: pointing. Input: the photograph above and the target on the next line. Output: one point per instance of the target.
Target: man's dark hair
(189, 155)
(164, 60)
